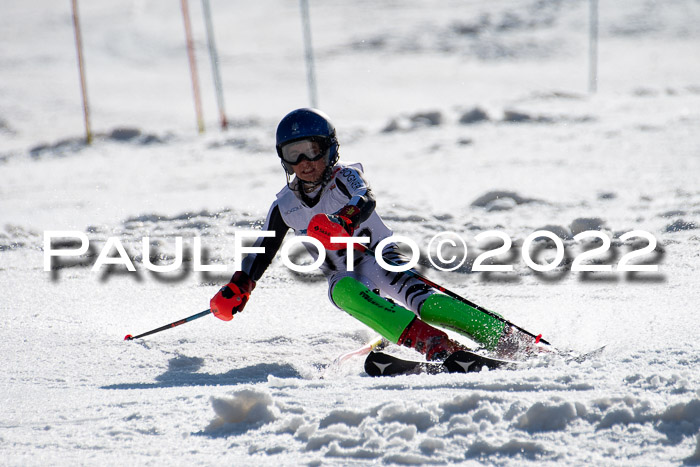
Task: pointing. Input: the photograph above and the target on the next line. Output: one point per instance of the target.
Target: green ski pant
(390, 319)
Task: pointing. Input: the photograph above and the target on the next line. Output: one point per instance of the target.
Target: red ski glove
(323, 227)
(351, 215)
(232, 297)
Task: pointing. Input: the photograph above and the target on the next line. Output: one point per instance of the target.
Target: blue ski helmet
(309, 124)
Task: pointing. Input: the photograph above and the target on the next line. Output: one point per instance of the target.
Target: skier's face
(303, 151)
(310, 171)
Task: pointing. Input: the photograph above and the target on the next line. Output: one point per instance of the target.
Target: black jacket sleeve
(255, 264)
(353, 185)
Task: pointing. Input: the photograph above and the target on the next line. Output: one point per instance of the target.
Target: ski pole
(129, 337)
(449, 293)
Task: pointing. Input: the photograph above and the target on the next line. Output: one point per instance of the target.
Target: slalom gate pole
(129, 337)
(593, 46)
(81, 69)
(308, 52)
(449, 293)
(214, 57)
(193, 66)
(365, 349)
(376, 343)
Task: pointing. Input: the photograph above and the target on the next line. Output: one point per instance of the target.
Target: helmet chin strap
(308, 187)
(303, 187)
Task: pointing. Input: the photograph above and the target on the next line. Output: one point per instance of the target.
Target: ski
(381, 364)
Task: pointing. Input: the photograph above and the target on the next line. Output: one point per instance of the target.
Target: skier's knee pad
(385, 317)
(444, 311)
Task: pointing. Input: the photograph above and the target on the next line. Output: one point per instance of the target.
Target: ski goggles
(293, 153)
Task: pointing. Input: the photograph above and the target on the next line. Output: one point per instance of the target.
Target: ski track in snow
(466, 117)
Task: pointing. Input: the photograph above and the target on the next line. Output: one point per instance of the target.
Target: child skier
(325, 198)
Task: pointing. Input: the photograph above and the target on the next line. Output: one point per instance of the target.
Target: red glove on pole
(232, 297)
(323, 227)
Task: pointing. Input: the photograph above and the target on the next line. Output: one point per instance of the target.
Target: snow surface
(468, 116)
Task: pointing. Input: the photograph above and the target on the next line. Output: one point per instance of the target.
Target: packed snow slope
(467, 116)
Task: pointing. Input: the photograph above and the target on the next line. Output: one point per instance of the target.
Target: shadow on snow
(180, 377)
